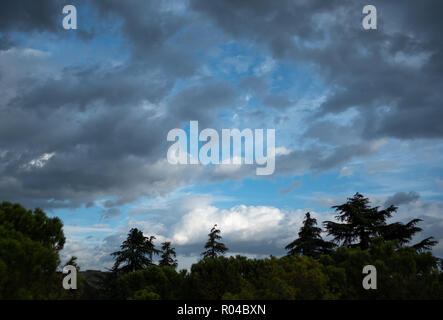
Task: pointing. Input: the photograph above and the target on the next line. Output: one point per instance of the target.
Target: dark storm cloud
(106, 125)
(115, 87)
(265, 22)
(318, 159)
(398, 67)
(151, 28)
(33, 17)
(332, 133)
(105, 140)
(257, 85)
(200, 102)
(107, 133)
(148, 24)
(402, 198)
(30, 15)
(278, 101)
(5, 43)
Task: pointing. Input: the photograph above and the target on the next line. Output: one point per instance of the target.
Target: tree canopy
(168, 256)
(309, 241)
(29, 252)
(136, 252)
(213, 246)
(313, 269)
(359, 224)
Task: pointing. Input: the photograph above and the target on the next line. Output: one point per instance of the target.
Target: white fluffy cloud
(247, 230)
(238, 223)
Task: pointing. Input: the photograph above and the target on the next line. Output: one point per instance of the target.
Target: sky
(85, 113)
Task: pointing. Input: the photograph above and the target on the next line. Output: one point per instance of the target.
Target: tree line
(137, 251)
(313, 268)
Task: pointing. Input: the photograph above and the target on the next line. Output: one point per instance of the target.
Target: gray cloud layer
(106, 124)
(393, 76)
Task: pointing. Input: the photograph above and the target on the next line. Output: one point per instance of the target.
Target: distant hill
(93, 282)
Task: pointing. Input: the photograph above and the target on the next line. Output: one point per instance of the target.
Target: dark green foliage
(34, 224)
(360, 224)
(152, 283)
(73, 262)
(214, 247)
(30, 241)
(287, 278)
(136, 252)
(403, 233)
(93, 281)
(212, 278)
(237, 277)
(402, 272)
(309, 242)
(425, 244)
(79, 292)
(312, 270)
(168, 256)
(29, 245)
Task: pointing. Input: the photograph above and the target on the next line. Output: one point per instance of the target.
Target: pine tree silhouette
(214, 247)
(168, 256)
(309, 242)
(137, 252)
(362, 223)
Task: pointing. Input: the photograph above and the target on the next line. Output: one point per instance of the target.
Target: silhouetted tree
(77, 293)
(73, 262)
(168, 256)
(309, 242)
(362, 223)
(402, 272)
(425, 244)
(403, 233)
(137, 252)
(214, 247)
(29, 253)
